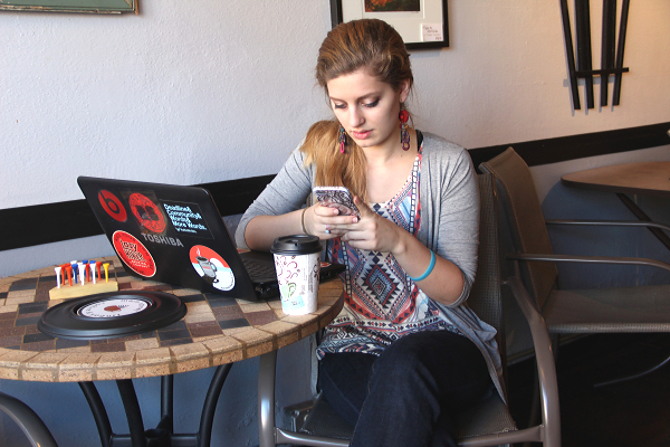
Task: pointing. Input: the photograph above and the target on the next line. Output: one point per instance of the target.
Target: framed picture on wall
(90, 6)
(421, 23)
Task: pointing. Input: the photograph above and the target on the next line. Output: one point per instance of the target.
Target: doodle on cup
(297, 262)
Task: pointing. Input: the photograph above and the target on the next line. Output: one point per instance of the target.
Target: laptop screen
(169, 233)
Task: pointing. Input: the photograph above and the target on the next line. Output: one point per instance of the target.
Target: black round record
(112, 314)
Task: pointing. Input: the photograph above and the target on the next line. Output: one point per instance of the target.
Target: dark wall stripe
(40, 224)
(52, 222)
(555, 150)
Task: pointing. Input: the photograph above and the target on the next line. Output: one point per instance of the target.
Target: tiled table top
(214, 331)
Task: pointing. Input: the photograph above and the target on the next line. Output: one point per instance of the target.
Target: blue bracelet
(428, 271)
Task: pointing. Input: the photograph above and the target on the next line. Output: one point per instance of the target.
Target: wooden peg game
(82, 278)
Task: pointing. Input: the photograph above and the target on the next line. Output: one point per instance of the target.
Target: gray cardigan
(449, 222)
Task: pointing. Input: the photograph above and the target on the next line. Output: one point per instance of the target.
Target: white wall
(202, 91)
(209, 90)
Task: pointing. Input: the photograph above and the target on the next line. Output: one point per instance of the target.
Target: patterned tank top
(381, 302)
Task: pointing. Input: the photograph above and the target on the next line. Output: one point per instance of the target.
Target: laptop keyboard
(258, 269)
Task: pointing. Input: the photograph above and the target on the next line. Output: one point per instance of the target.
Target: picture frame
(421, 23)
(85, 6)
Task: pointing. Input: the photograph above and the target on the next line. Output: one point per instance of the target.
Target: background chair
(582, 311)
(30, 423)
(489, 423)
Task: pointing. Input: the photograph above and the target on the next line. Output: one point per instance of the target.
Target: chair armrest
(619, 223)
(544, 359)
(589, 259)
(29, 422)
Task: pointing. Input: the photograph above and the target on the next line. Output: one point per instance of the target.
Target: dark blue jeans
(408, 396)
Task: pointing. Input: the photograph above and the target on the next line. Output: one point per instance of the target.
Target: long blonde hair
(371, 44)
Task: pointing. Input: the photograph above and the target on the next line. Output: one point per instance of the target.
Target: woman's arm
(456, 228)
(261, 231)
(277, 210)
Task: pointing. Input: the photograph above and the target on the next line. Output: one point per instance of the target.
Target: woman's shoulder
(440, 147)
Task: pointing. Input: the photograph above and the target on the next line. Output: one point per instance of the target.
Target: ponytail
(332, 167)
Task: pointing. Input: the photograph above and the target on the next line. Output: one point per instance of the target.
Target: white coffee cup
(298, 263)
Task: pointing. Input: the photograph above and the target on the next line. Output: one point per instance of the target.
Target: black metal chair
(488, 423)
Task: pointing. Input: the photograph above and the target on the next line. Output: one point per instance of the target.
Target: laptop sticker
(147, 213)
(133, 253)
(112, 205)
(212, 267)
(187, 218)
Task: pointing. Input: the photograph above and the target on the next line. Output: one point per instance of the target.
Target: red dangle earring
(342, 139)
(404, 134)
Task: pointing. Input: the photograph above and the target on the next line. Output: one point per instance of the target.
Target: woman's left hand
(371, 232)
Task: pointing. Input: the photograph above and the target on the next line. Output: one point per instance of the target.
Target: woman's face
(367, 108)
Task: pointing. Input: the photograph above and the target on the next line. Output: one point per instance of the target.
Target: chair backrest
(485, 296)
(523, 220)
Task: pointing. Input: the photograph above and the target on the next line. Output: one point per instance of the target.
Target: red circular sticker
(112, 205)
(212, 267)
(134, 254)
(147, 212)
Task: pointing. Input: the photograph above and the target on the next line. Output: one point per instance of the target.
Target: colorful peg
(75, 271)
(87, 274)
(91, 265)
(68, 271)
(82, 272)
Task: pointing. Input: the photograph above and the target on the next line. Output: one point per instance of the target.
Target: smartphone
(337, 197)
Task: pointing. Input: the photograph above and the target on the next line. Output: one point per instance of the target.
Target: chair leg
(266, 399)
(534, 412)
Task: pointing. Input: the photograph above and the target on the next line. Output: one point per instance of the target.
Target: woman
(405, 355)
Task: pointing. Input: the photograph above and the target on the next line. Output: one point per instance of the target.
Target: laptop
(175, 234)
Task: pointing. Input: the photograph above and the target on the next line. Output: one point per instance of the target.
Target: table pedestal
(163, 434)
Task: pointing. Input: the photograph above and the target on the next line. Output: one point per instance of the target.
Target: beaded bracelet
(429, 269)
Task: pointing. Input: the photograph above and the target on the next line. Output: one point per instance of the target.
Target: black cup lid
(298, 244)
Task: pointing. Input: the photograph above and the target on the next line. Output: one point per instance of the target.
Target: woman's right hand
(322, 221)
